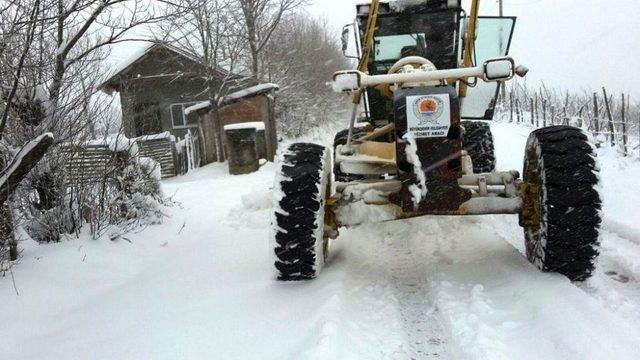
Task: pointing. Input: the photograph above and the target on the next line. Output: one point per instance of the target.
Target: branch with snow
(25, 160)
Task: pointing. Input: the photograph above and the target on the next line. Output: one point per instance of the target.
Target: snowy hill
(201, 286)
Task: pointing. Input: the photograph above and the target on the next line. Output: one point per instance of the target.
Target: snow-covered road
(201, 285)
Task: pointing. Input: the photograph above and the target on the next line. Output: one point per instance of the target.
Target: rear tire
(477, 139)
(341, 139)
(302, 184)
(561, 213)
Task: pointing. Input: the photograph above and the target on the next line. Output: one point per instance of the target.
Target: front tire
(302, 186)
(561, 212)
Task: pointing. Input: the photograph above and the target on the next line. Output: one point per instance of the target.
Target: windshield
(494, 38)
(394, 47)
(431, 35)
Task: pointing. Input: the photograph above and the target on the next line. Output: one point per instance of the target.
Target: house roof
(111, 83)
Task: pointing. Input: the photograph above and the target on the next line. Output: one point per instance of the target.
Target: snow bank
(359, 213)
(453, 288)
(257, 200)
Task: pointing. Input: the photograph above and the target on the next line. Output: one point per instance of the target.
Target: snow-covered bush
(127, 194)
(8, 249)
(140, 195)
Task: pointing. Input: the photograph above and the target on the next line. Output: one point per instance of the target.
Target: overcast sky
(576, 44)
(569, 44)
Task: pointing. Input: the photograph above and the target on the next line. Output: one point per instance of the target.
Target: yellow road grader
(428, 79)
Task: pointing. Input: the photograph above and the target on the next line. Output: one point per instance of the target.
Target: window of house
(146, 118)
(180, 120)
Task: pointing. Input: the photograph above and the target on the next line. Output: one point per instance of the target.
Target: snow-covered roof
(235, 96)
(248, 92)
(196, 107)
(161, 136)
(139, 55)
(116, 143)
(132, 58)
(258, 125)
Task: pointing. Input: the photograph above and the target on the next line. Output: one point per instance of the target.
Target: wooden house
(160, 81)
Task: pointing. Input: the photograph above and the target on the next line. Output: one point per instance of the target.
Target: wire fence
(609, 117)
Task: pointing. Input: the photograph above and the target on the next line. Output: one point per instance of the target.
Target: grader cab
(428, 79)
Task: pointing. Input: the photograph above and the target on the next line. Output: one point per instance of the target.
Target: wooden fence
(162, 151)
(97, 161)
(90, 163)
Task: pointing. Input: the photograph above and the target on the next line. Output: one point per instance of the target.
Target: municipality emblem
(428, 109)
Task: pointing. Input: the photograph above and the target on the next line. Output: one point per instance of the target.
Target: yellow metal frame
(368, 41)
(467, 57)
(469, 43)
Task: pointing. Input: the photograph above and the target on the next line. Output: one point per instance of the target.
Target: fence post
(596, 115)
(624, 127)
(518, 110)
(553, 115)
(531, 109)
(535, 112)
(611, 129)
(511, 106)
(544, 112)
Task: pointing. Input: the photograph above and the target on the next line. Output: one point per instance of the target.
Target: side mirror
(346, 81)
(345, 39)
(346, 32)
(500, 69)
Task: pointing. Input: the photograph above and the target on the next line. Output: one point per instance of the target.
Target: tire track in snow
(409, 269)
(616, 280)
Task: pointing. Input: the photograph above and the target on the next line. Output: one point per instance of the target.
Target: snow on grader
(428, 78)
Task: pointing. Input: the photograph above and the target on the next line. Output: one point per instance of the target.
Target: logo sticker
(428, 109)
(428, 116)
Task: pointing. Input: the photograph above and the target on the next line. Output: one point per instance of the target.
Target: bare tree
(205, 30)
(301, 57)
(107, 23)
(51, 56)
(261, 19)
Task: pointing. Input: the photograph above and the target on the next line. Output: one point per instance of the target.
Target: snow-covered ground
(200, 286)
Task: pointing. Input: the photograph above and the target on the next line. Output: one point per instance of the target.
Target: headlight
(344, 81)
(500, 69)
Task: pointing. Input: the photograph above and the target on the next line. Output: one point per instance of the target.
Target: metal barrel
(241, 150)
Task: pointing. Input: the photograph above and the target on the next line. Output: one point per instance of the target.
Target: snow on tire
(477, 139)
(302, 183)
(562, 226)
